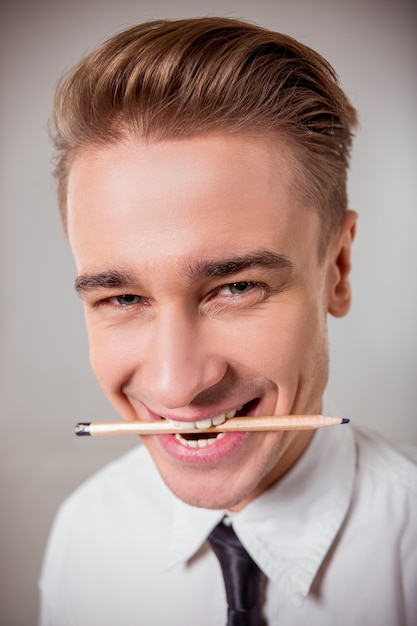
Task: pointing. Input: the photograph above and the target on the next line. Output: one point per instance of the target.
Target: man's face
(204, 294)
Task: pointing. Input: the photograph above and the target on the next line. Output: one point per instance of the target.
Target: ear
(338, 267)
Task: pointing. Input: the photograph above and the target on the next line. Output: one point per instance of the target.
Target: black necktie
(242, 578)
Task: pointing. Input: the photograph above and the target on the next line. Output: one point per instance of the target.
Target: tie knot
(242, 577)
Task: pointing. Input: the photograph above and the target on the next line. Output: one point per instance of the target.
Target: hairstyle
(174, 79)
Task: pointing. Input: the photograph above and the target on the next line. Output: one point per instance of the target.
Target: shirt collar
(190, 528)
(290, 528)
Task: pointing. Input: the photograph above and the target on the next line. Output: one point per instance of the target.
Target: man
(202, 181)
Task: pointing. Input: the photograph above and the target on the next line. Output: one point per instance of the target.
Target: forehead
(185, 197)
(226, 158)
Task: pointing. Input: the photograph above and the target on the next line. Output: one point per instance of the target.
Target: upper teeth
(207, 423)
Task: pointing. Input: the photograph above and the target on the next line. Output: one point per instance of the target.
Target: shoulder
(120, 516)
(386, 462)
(385, 495)
(118, 491)
(124, 500)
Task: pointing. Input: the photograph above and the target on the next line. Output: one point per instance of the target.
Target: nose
(180, 360)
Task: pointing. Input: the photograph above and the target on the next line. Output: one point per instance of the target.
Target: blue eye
(237, 289)
(127, 299)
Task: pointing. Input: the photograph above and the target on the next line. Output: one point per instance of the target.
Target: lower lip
(216, 452)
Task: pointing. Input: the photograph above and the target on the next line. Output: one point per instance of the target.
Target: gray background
(46, 384)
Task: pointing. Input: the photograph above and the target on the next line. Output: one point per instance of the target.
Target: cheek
(111, 357)
(113, 363)
(284, 342)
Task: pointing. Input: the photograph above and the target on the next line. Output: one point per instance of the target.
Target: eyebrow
(225, 267)
(195, 271)
(111, 279)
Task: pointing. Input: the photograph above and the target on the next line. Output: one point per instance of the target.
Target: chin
(207, 491)
(206, 500)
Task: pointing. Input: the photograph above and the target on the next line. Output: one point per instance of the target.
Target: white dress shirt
(336, 539)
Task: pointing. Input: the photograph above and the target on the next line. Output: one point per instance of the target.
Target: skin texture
(180, 324)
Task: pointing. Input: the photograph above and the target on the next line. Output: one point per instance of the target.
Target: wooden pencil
(235, 424)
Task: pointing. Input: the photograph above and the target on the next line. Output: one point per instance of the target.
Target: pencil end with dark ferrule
(82, 429)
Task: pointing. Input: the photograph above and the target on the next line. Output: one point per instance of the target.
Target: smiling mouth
(202, 440)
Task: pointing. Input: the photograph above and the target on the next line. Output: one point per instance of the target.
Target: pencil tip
(345, 420)
(82, 429)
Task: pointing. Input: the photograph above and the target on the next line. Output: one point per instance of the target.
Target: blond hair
(174, 79)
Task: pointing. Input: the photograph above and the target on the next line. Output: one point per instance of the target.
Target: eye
(237, 289)
(127, 299)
